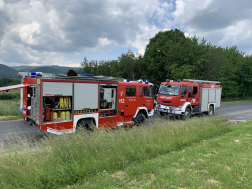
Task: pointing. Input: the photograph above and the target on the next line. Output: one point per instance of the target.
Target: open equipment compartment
(57, 102)
(108, 100)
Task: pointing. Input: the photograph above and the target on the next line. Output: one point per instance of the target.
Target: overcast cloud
(223, 23)
(37, 32)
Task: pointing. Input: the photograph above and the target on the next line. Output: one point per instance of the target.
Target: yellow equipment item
(55, 115)
(61, 103)
(68, 115)
(65, 103)
(63, 115)
(69, 105)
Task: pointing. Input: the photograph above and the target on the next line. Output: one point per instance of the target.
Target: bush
(7, 96)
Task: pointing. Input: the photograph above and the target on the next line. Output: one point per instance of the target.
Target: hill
(46, 69)
(7, 72)
(11, 72)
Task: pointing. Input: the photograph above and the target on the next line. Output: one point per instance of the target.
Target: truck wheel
(85, 124)
(140, 118)
(211, 111)
(162, 114)
(187, 113)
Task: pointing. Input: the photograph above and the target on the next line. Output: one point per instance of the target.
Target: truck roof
(81, 78)
(186, 81)
(174, 83)
(134, 84)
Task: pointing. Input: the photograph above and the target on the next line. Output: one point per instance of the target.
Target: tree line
(171, 55)
(9, 81)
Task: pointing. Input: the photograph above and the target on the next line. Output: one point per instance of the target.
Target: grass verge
(9, 110)
(65, 160)
(222, 162)
(235, 100)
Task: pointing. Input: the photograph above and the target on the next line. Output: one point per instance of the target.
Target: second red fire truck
(188, 97)
(60, 104)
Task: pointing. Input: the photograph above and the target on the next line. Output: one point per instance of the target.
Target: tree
(127, 65)
(166, 56)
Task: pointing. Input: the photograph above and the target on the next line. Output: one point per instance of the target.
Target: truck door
(140, 95)
(35, 104)
(130, 101)
(24, 97)
(193, 97)
(147, 100)
(121, 103)
(184, 95)
(24, 113)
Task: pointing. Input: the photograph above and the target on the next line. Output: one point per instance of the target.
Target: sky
(52, 32)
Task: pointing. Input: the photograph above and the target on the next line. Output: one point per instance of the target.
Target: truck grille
(167, 102)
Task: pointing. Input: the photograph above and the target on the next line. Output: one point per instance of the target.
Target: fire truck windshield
(172, 90)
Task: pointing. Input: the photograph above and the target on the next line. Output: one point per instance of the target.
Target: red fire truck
(59, 104)
(188, 97)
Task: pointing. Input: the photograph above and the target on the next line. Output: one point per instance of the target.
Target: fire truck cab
(188, 97)
(60, 103)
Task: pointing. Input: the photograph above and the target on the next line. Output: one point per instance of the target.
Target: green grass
(11, 94)
(14, 91)
(9, 110)
(58, 161)
(222, 162)
(235, 100)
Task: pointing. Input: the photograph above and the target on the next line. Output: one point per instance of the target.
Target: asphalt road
(12, 130)
(236, 111)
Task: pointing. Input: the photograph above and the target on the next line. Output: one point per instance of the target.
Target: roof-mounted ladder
(201, 81)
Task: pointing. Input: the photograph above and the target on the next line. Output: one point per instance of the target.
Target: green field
(9, 110)
(11, 92)
(222, 162)
(196, 153)
(105, 158)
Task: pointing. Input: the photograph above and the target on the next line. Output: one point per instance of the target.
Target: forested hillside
(9, 81)
(46, 69)
(7, 72)
(172, 55)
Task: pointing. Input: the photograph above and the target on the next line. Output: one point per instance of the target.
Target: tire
(211, 111)
(162, 114)
(187, 113)
(85, 124)
(140, 118)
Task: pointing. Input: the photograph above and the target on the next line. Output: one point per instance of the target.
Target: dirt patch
(234, 122)
(182, 159)
(238, 141)
(228, 168)
(119, 175)
(212, 181)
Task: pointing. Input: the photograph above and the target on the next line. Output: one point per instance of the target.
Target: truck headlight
(178, 109)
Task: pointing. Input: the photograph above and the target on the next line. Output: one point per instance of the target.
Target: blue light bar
(127, 80)
(33, 73)
(178, 80)
(167, 80)
(146, 81)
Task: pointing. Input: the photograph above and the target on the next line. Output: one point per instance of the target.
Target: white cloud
(142, 39)
(42, 31)
(26, 33)
(180, 5)
(33, 28)
(225, 23)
